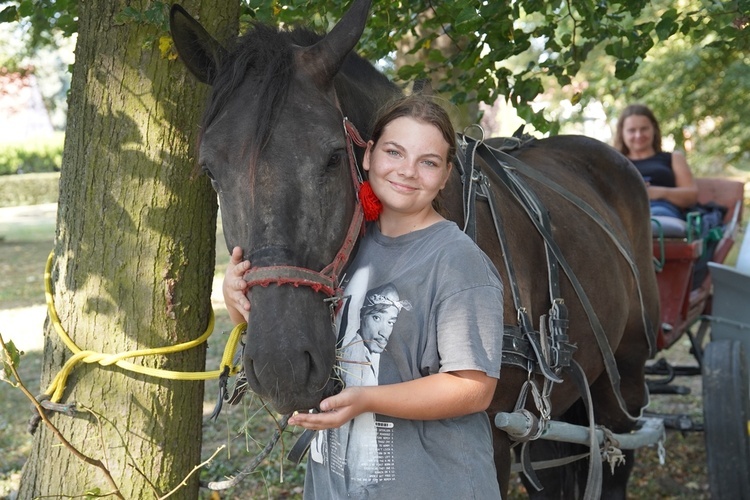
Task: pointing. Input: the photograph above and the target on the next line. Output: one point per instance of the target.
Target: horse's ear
(323, 60)
(200, 52)
(422, 86)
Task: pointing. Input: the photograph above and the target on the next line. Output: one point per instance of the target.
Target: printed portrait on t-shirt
(367, 337)
(366, 321)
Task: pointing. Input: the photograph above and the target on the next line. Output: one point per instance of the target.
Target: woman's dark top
(657, 170)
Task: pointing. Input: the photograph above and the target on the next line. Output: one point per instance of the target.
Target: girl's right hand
(234, 288)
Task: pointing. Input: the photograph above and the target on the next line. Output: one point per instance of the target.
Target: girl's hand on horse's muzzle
(335, 411)
(234, 287)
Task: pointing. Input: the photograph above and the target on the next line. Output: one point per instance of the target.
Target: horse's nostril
(310, 366)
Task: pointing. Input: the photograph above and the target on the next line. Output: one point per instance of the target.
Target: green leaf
(467, 14)
(9, 14)
(625, 69)
(26, 8)
(667, 26)
(11, 359)
(614, 49)
(410, 72)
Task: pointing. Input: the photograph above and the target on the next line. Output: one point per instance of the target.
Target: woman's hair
(420, 108)
(423, 109)
(639, 110)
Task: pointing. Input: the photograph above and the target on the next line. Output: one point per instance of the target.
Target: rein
(325, 281)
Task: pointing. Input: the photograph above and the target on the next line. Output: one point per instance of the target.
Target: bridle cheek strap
(326, 280)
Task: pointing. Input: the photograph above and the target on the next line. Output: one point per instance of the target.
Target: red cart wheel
(726, 414)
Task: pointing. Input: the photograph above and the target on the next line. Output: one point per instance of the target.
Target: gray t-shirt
(426, 302)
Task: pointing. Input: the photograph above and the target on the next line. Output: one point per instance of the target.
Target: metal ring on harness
(477, 126)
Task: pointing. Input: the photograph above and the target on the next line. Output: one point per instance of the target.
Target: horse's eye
(205, 170)
(336, 158)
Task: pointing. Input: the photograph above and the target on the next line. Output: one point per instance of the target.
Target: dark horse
(273, 144)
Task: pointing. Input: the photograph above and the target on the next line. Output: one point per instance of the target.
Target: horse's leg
(633, 390)
(501, 447)
(614, 486)
(559, 483)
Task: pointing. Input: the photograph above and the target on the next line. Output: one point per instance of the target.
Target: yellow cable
(57, 387)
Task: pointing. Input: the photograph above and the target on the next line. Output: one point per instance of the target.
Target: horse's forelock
(266, 53)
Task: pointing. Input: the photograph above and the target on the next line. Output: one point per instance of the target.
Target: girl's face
(408, 166)
(638, 135)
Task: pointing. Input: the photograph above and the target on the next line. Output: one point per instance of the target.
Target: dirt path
(24, 325)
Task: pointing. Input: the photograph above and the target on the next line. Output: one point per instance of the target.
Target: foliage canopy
(685, 59)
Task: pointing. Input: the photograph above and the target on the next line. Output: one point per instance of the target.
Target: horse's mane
(268, 53)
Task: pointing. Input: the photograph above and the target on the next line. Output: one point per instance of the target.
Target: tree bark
(134, 258)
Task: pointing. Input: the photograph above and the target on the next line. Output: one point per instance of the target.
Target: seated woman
(670, 184)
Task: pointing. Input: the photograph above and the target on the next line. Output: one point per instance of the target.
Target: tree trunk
(133, 265)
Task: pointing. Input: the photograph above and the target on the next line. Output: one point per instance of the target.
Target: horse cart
(706, 301)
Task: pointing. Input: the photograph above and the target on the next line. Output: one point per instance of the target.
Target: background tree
(134, 254)
(695, 80)
(687, 60)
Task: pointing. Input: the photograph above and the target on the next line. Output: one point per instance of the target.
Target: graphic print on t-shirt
(361, 451)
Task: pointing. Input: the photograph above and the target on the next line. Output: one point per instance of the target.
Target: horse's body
(274, 144)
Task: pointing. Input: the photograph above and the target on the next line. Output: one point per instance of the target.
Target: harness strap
(492, 156)
(469, 180)
(523, 319)
(499, 168)
(291, 275)
(594, 480)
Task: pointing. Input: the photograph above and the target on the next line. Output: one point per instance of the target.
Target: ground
(26, 236)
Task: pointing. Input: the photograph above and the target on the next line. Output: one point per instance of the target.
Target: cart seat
(668, 227)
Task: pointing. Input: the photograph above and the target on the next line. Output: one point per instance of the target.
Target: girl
(417, 429)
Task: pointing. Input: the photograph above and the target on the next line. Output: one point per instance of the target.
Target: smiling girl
(418, 428)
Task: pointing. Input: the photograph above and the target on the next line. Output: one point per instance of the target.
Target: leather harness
(547, 352)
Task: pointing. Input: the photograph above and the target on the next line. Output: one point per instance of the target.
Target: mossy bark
(134, 258)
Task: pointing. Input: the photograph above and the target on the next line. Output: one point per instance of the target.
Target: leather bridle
(325, 281)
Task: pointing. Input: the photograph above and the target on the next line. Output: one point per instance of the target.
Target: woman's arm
(685, 194)
(437, 396)
(234, 288)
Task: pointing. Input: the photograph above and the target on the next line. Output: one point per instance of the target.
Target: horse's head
(273, 143)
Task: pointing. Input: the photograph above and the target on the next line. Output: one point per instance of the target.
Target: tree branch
(90, 461)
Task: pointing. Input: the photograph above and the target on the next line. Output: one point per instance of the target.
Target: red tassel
(371, 205)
